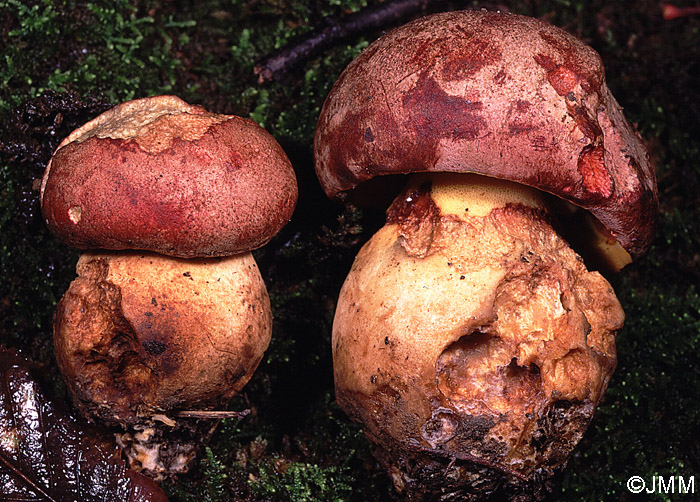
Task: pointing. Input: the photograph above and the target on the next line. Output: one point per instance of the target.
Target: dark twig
(333, 29)
(469, 458)
(491, 465)
(7, 462)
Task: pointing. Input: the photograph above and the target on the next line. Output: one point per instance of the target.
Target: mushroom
(169, 312)
(469, 338)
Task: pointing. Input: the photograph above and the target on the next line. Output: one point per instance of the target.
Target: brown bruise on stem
(469, 330)
(416, 215)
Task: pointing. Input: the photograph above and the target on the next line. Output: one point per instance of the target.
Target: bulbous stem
(138, 334)
(467, 325)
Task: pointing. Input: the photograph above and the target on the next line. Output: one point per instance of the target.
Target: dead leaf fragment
(46, 454)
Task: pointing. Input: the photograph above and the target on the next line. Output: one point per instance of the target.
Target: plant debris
(47, 454)
(275, 66)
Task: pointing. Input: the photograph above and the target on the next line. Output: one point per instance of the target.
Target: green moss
(214, 477)
(103, 47)
(301, 482)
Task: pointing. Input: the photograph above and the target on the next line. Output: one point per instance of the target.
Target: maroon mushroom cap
(496, 94)
(159, 174)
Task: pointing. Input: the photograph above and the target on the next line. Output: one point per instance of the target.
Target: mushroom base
(474, 348)
(140, 335)
(426, 474)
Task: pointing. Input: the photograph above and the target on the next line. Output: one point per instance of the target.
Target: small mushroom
(469, 338)
(169, 312)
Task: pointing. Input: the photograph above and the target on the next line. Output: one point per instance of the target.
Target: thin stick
(280, 62)
(470, 458)
(212, 414)
(33, 485)
(492, 465)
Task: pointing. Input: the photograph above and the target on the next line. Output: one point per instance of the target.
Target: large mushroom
(169, 312)
(469, 338)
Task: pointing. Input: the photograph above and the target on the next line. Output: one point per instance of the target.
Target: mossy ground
(63, 62)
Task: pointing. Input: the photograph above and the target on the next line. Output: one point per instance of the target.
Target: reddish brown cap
(159, 174)
(495, 94)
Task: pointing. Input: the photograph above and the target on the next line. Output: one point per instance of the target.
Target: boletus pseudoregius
(469, 338)
(169, 312)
